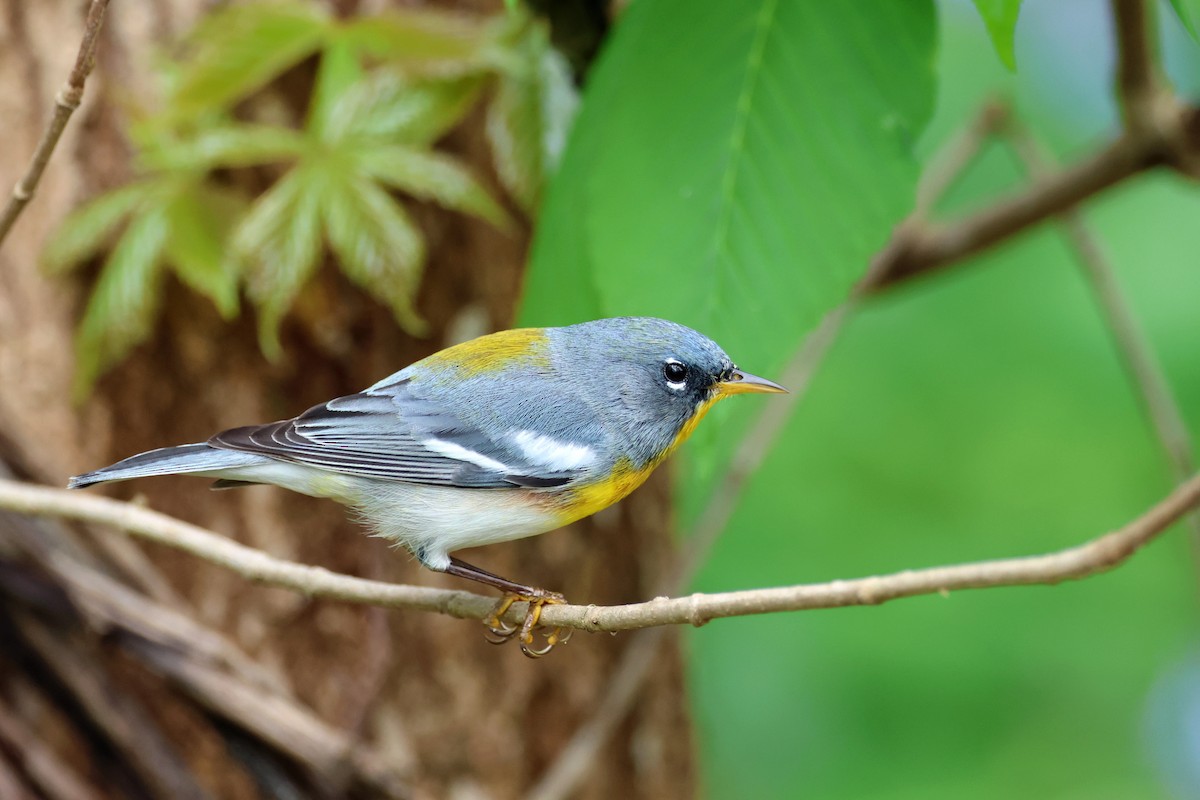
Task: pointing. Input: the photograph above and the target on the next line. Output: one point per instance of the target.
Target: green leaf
(201, 218)
(279, 242)
(229, 145)
(528, 117)
(242, 47)
(376, 244)
(431, 176)
(124, 302)
(390, 106)
(85, 231)
(725, 180)
(1188, 12)
(1000, 19)
(338, 72)
(735, 171)
(420, 42)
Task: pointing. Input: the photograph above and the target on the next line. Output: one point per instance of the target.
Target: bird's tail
(186, 458)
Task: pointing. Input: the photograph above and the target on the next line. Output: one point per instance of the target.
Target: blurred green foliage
(977, 414)
(386, 89)
(1000, 19)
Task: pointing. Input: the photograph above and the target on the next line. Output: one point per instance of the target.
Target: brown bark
(402, 703)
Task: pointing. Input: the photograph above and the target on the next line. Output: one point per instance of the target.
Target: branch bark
(1098, 555)
(65, 103)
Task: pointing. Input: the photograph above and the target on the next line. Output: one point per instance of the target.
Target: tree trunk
(131, 671)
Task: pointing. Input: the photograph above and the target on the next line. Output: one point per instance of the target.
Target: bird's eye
(675, 373)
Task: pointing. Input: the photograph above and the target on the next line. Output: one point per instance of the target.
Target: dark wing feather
(391, 433)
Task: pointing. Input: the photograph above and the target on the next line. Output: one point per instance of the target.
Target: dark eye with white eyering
(675, 373)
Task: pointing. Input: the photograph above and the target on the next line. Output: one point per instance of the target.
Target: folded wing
(389, 432)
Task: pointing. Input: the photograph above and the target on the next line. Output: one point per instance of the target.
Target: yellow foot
(500, 632)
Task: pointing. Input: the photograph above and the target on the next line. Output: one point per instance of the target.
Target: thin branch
(65, 103)
(1136, 80)
(923, 248)
(1098, 555)
(951, 160)
(1131, 341)
(251, 564)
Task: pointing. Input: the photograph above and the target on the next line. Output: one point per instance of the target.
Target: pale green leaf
(432, 176)
(339, 70)
(201, 219)
(376, 244)
(529, 115)
(242, 47)
(390, 106)
(278, 243)
(124, 301)
(229, 145)
(88, 229)
(1188, 12)
(745, 204)
(735, 171)
(1000, 19)
(420, 42)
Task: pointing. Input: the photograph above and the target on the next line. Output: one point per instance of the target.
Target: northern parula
(505, 436)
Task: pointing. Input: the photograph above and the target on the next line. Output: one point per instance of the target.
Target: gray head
(648, 378)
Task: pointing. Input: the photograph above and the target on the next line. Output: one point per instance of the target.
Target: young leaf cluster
(387, 88)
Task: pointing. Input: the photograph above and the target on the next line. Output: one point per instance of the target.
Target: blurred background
(325, 192)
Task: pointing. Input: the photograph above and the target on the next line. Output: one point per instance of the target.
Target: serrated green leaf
(376, 244)
(242, 47)
(230, 145)
(719, 178)
(432, 176)
(278, 243)
(201, 219)
(1000, 19)
(123, 304)
(388, 105)
(1188, 12)
(775, 185)
(529, 114)
(420, 42)
(339, 70)
(88, 229)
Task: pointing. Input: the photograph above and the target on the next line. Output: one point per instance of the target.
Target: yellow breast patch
(625, 477)
(587, 500)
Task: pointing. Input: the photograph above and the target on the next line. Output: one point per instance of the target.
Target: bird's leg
(513, 592)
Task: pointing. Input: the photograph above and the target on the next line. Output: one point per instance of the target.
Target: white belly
(431, 521)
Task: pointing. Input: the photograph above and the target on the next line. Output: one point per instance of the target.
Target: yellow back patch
(493, 353)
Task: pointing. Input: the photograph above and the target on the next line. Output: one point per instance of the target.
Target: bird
(501, 437)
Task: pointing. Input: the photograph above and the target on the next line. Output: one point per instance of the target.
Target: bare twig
(1131, 341)
(1137, 80)
(951, 160)
(924, 248)
(1098, 555)
(65, 103)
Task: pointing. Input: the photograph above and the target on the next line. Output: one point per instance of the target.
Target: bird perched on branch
(505, 436)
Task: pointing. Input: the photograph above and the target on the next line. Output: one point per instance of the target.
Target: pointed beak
(743, 382)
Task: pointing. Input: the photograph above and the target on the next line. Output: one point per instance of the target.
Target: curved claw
(499, 631)
(553, 639)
